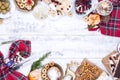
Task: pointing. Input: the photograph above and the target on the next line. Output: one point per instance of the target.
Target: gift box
(112, 64)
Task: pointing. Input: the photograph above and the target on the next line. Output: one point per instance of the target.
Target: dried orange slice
(94, 19)
(34, 75)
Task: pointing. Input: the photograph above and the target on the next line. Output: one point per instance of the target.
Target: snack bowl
(104, 7)
(26, 5)
(10, 12)
(82, 8)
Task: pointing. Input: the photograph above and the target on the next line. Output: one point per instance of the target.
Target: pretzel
(47, 66)
(44, 71)
(23, 1)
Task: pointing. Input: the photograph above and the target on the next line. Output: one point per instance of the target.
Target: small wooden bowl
(24, 9)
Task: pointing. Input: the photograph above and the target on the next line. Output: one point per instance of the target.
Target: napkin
(112, 27)
(8, 73)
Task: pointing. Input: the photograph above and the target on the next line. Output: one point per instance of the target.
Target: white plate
(12, 9)
(58, 16)
(94, 4)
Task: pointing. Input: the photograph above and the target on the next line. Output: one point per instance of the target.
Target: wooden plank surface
(66, 37)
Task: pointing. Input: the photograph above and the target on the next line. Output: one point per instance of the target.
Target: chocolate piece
(117, 71)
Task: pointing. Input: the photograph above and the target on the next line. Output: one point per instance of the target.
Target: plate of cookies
(6, 8)
(60, 8)
(26, 5)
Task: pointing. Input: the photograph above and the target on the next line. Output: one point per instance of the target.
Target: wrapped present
(112, 64)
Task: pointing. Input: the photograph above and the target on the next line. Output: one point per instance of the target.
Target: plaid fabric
(20, 45)
(7, 73)
(112, 27)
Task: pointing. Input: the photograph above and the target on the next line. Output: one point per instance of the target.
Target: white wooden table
(67, 38)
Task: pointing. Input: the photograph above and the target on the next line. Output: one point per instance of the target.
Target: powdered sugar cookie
(41, 11)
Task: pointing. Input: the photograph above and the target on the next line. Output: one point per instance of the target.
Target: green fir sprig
(37, 64)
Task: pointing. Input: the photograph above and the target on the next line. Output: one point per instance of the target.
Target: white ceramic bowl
(12, 6)
(104, 7)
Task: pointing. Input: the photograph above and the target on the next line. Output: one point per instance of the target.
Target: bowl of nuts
(104, 7)
(6, 8)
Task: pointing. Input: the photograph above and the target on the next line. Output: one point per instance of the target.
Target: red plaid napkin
(18, 46)
(112, 27)
(7, 73)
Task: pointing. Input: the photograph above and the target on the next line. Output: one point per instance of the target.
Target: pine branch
(37, 64)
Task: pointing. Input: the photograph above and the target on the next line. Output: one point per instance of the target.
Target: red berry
(29, 2)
